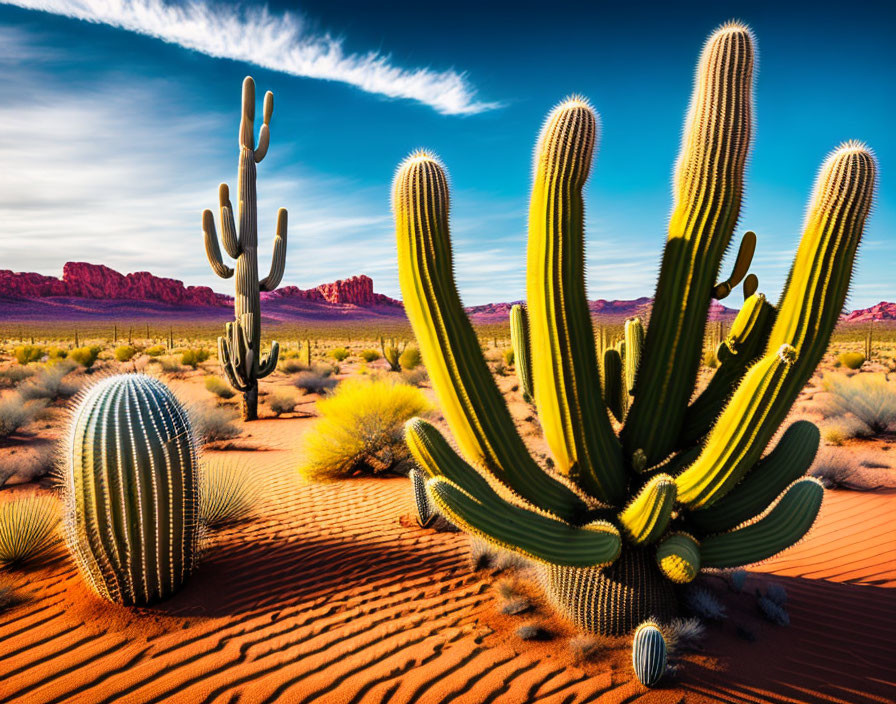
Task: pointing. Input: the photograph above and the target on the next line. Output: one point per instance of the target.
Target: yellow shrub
(851, 360)
(361, 429)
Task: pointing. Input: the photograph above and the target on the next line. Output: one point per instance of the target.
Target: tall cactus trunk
(239, 350)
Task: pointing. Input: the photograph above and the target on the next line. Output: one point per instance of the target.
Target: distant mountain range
(96, 292)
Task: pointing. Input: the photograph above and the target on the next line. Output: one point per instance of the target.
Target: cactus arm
(229, 236)
(751, 285)
(791, 458)
(634, 343)
(787, 522)
(807, 314)
(646, 518)
(470, 400)
(678, 557)
(520, 530)
(564, 360)
(707, 191)
(741, 266)
(212, 251)
(612, 383)
(278, 261)
(224, 358)
(269, 363)
(519, 339)
(264, 134)
(742, 348)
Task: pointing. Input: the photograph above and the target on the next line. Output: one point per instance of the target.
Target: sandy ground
(330, 593)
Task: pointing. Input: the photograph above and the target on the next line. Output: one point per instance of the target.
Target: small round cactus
(649, 654)
(131, 478)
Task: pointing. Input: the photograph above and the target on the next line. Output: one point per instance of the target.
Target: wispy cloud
(280, 42)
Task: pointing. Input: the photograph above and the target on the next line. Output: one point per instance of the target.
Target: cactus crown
(641, 466)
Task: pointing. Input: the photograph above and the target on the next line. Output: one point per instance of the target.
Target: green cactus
(239, 350)
(649, 654)
(519, 339)
(684, 485)
(131, 518)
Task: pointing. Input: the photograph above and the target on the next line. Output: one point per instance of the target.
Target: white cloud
(279, 42)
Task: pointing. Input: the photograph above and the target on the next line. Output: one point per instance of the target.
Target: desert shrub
(509, 357)
(219, 387)
(14, 413)
(227, 493)
(27, 528)
(361, 429)
(156, 350)
(213, 423)
(282, 401)
(314, 382)
(838, 471)
(499, 368)
(516, 605)
(55, 353)
(842, 428)
(868, 397)
(415, 377)
(49, 384)
(683, 634)
(170, 365)
(25, 354)
(703, 603)
(193, 357)
(851, 360)
(15, 375)
(410, 358)
(291, 365)
(27, 464)
(370, 355)
(585, 647)
(86, 356)
(339, 354)
(125, 353)
(533, 630)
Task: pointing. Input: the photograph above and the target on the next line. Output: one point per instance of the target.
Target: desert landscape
(473, 481)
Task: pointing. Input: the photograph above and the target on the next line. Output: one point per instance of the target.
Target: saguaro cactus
(239, 350)
(676, 485)
(519, 339)
(131, 517)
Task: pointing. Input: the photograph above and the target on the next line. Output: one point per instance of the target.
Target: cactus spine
(519, 339)
(239, 350)
(131, 492)
(684, 486)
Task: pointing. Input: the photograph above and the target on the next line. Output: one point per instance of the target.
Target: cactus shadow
(835, 649)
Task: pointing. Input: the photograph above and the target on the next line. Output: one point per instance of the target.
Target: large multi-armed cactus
(239, 349)
(645, 495)
(131, 476)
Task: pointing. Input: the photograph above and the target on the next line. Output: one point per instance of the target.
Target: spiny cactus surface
(649, 654)
(131, 518)
(648, 486)
(239, 350)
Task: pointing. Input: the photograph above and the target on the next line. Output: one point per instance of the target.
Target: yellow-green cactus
(239, 350)
(683, 485)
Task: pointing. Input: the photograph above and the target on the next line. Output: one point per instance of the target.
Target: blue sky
(115, 132)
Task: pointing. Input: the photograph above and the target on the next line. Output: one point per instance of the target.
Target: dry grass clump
(15, 375)
(49, 384)
(156, 350)
(16, 412)
(869, 397)
(219, 387)
(193, 357)
(415, 377)
(370, 355)
(585, 648)
(125, 353)
(27, 528)
(26, 464)
(842, 428)
(170, 365)
(227, 493)
(282, 401)
(533, 630)
(838, 470)
(361, 429)
(213, 423)
(291, 365)
(683, 634)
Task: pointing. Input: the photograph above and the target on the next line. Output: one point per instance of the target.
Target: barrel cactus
(649, 654)
(131, 519)
(239, 350)
(643, 499)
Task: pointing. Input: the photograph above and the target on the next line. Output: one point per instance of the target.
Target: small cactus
(649, 654)
(519, 339)
(131, 519)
